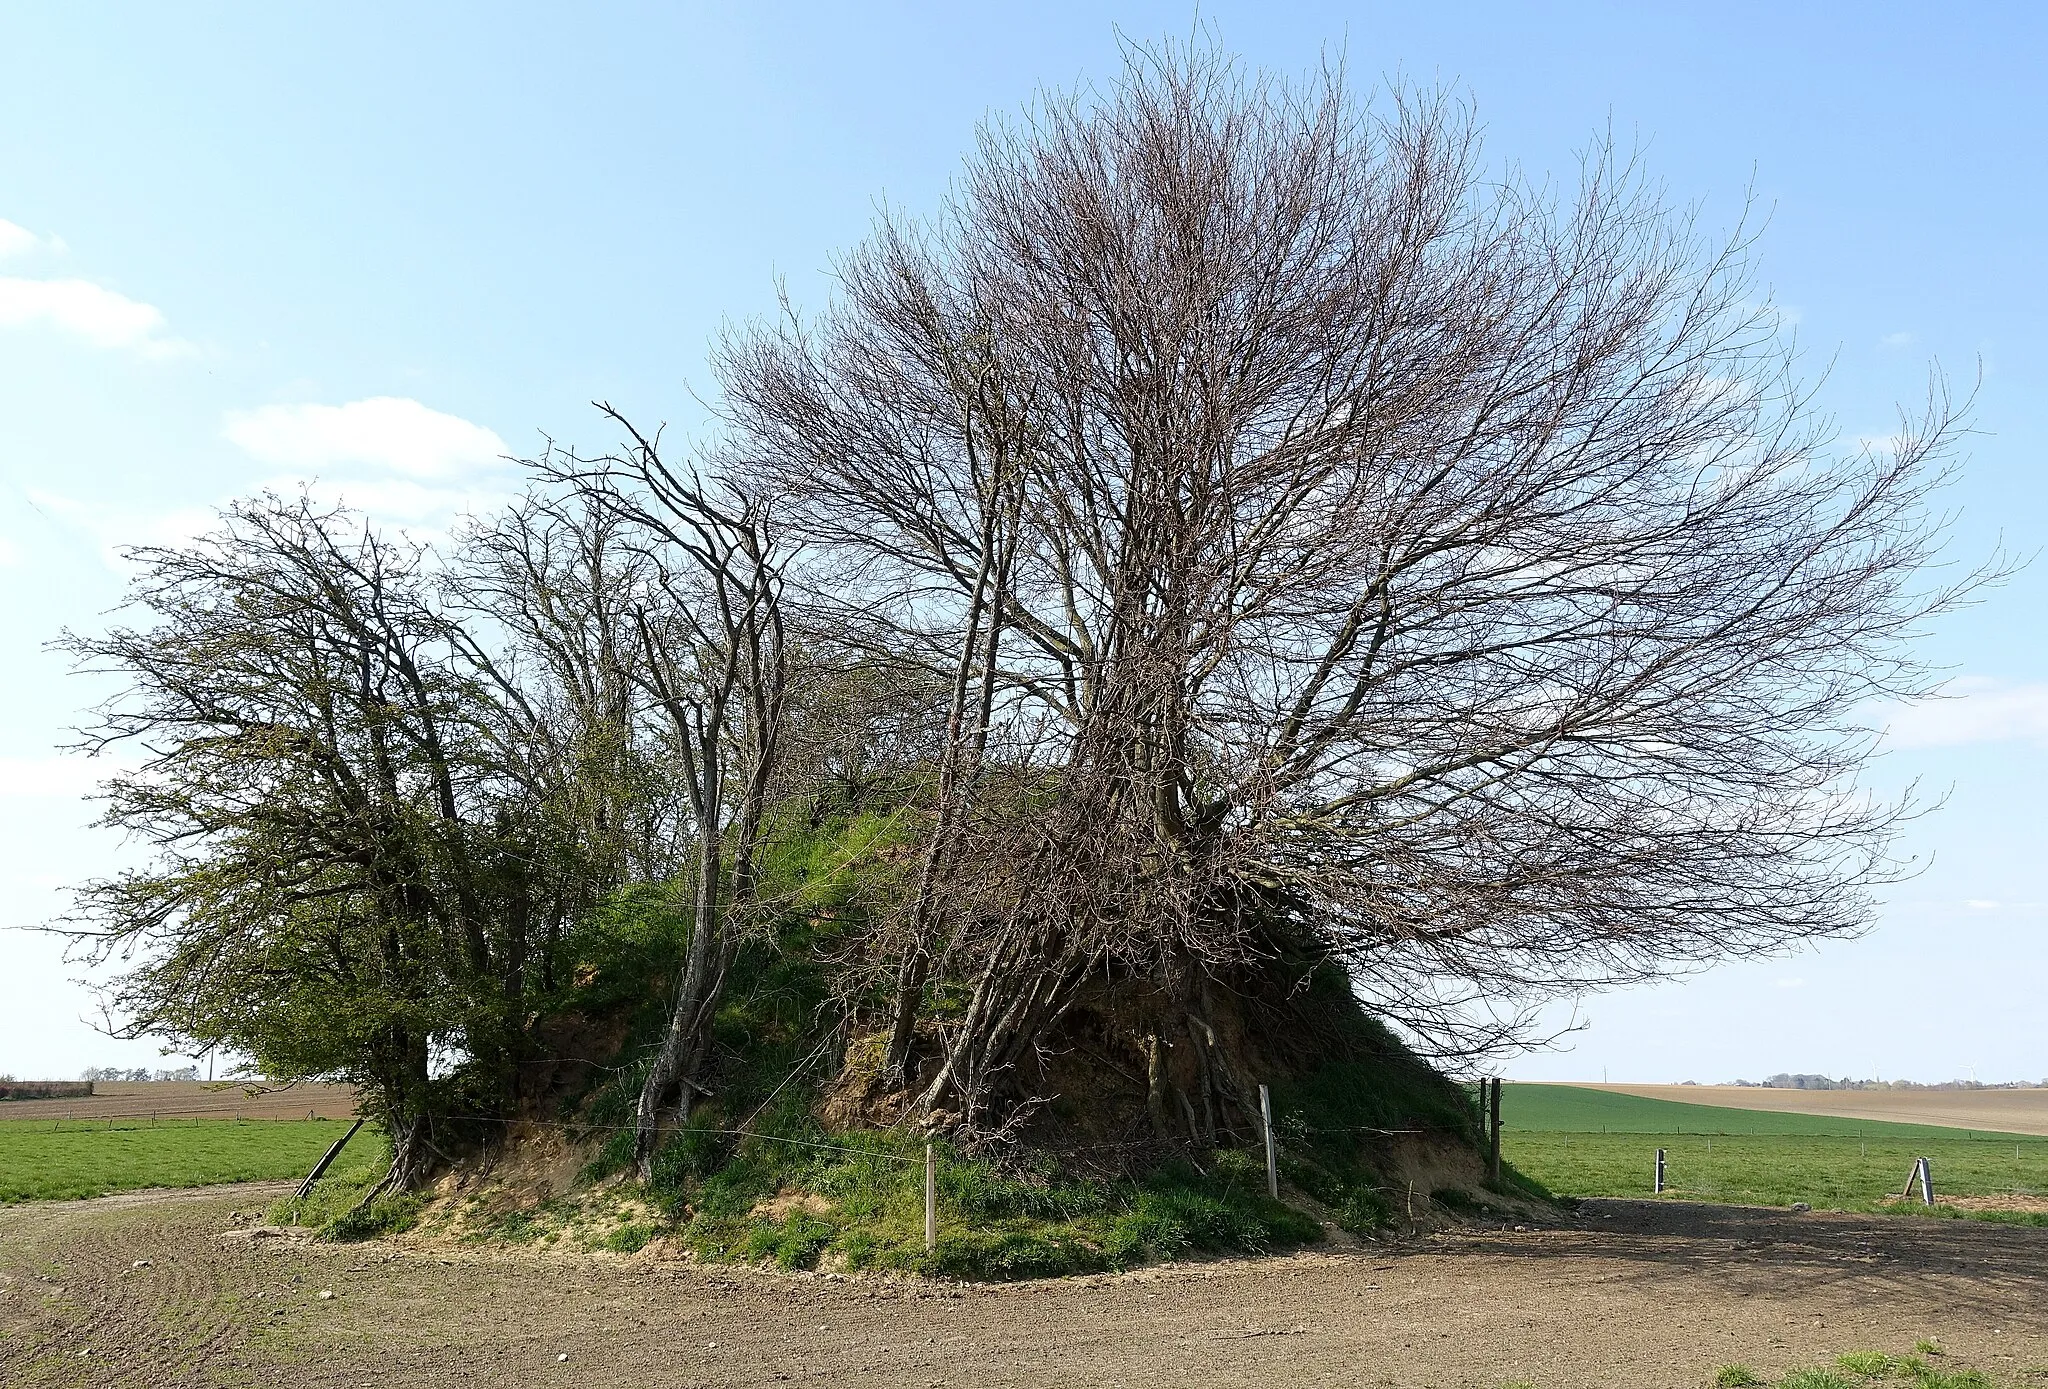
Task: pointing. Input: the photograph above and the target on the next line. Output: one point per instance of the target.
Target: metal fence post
(1660, 1172)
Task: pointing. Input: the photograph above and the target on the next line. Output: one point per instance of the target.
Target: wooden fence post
(1493, 1152)
(931, 1200)
(1272, 1154)
(306, 1187)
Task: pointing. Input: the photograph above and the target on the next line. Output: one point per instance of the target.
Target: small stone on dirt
(1801, 1206)
(326, 1294)
(140, 1263)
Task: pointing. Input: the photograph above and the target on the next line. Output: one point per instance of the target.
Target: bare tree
(1339, 554)
(555, 583)
(714, 659)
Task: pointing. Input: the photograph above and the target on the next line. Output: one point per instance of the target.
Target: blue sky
(381, 245)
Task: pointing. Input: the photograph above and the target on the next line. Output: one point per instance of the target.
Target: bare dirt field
(190, 1099)
(1630, 1293)
(1999, 1111)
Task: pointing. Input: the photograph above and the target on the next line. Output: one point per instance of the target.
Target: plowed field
(1998, 1111)
(1630, 1293)
(191, 1099)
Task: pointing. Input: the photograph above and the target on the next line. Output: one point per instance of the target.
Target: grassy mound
(855, 1202)
(758, 1175)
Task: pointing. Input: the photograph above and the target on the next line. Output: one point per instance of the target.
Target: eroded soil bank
(1631, 1293)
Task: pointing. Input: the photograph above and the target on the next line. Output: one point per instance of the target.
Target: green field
(1597, 1143)
(41, 1160)
(1573, 1109)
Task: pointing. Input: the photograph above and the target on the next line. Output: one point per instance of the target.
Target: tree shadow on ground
(1764, 1252)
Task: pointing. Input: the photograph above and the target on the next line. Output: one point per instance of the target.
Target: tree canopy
(1240, 539)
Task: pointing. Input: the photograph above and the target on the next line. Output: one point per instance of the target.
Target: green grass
(992, 1224)
(1862, 1369)
(1555, 1135)
(44, 1161)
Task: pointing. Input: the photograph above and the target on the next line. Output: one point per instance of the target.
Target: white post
(931, 1200)
(1926, 1182)
(1660, 1172)
(1272, 1156)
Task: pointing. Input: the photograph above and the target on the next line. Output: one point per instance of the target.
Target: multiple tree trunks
(1240, 526)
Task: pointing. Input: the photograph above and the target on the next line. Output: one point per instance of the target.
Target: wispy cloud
(1972, 709)
(114, 529)
(91, 313)
(1895, 340)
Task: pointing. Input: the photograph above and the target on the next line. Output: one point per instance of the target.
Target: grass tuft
(1814, 1379)
(1737, 1377)
(389, 1214)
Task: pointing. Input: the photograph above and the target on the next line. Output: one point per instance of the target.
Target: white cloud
(396, 461)
(17, 240)
(391, 458)
(385, 433)
(1895, 340)
(1981, 904)
(85, 310)
(1971, 709)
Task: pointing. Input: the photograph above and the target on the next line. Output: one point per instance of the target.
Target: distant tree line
(1239, 541)
(139, 1073)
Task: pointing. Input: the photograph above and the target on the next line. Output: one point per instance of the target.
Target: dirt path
(1633, 1294)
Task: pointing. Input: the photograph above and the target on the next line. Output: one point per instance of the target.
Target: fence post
(1926, 1181)
(320, 1167)
(931, 1200)
(1493, 1152)
(1660, 1172)
(1272, 1156)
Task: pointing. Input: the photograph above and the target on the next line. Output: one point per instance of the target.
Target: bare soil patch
(1634, 1293)
(190, 1099)
(1994, 1111)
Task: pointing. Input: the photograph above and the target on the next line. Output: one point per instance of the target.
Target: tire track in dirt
(1634, 1293)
